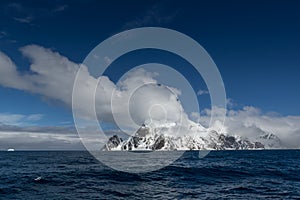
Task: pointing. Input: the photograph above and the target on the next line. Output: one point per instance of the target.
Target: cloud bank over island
(52, 76)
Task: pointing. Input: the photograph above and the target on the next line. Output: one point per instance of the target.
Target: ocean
(257, 174)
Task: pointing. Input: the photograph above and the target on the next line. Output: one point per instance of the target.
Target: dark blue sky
(256, 45)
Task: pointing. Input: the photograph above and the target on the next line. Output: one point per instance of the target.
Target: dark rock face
(159, 143)
(129, 146)
(228, 141)
(133, 141)
(113, 142)
(142, 131)
(222, 142)
(258, 145)
(245, 144)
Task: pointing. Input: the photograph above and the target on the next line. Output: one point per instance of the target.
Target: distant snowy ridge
(159, 137)
(270, 141)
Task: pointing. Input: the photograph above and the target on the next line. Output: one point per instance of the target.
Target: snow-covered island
(161, 137)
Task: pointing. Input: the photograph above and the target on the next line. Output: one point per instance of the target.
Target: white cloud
(3, 34)
(35, 117)
(26, 20)
(60, 8)
(202, 92)
(33, 137)
(27, 13)
(195, 116)
(44, 137)
(155, 15)
(19, 119)
(107, 60)
(39, 141)
(53, 76)
(230, 103)
(251, 122)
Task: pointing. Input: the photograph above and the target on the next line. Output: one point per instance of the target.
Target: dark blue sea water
(220, 175)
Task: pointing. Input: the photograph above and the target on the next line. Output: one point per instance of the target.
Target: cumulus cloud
(52, 75)
(251, 122)
(139, 97)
